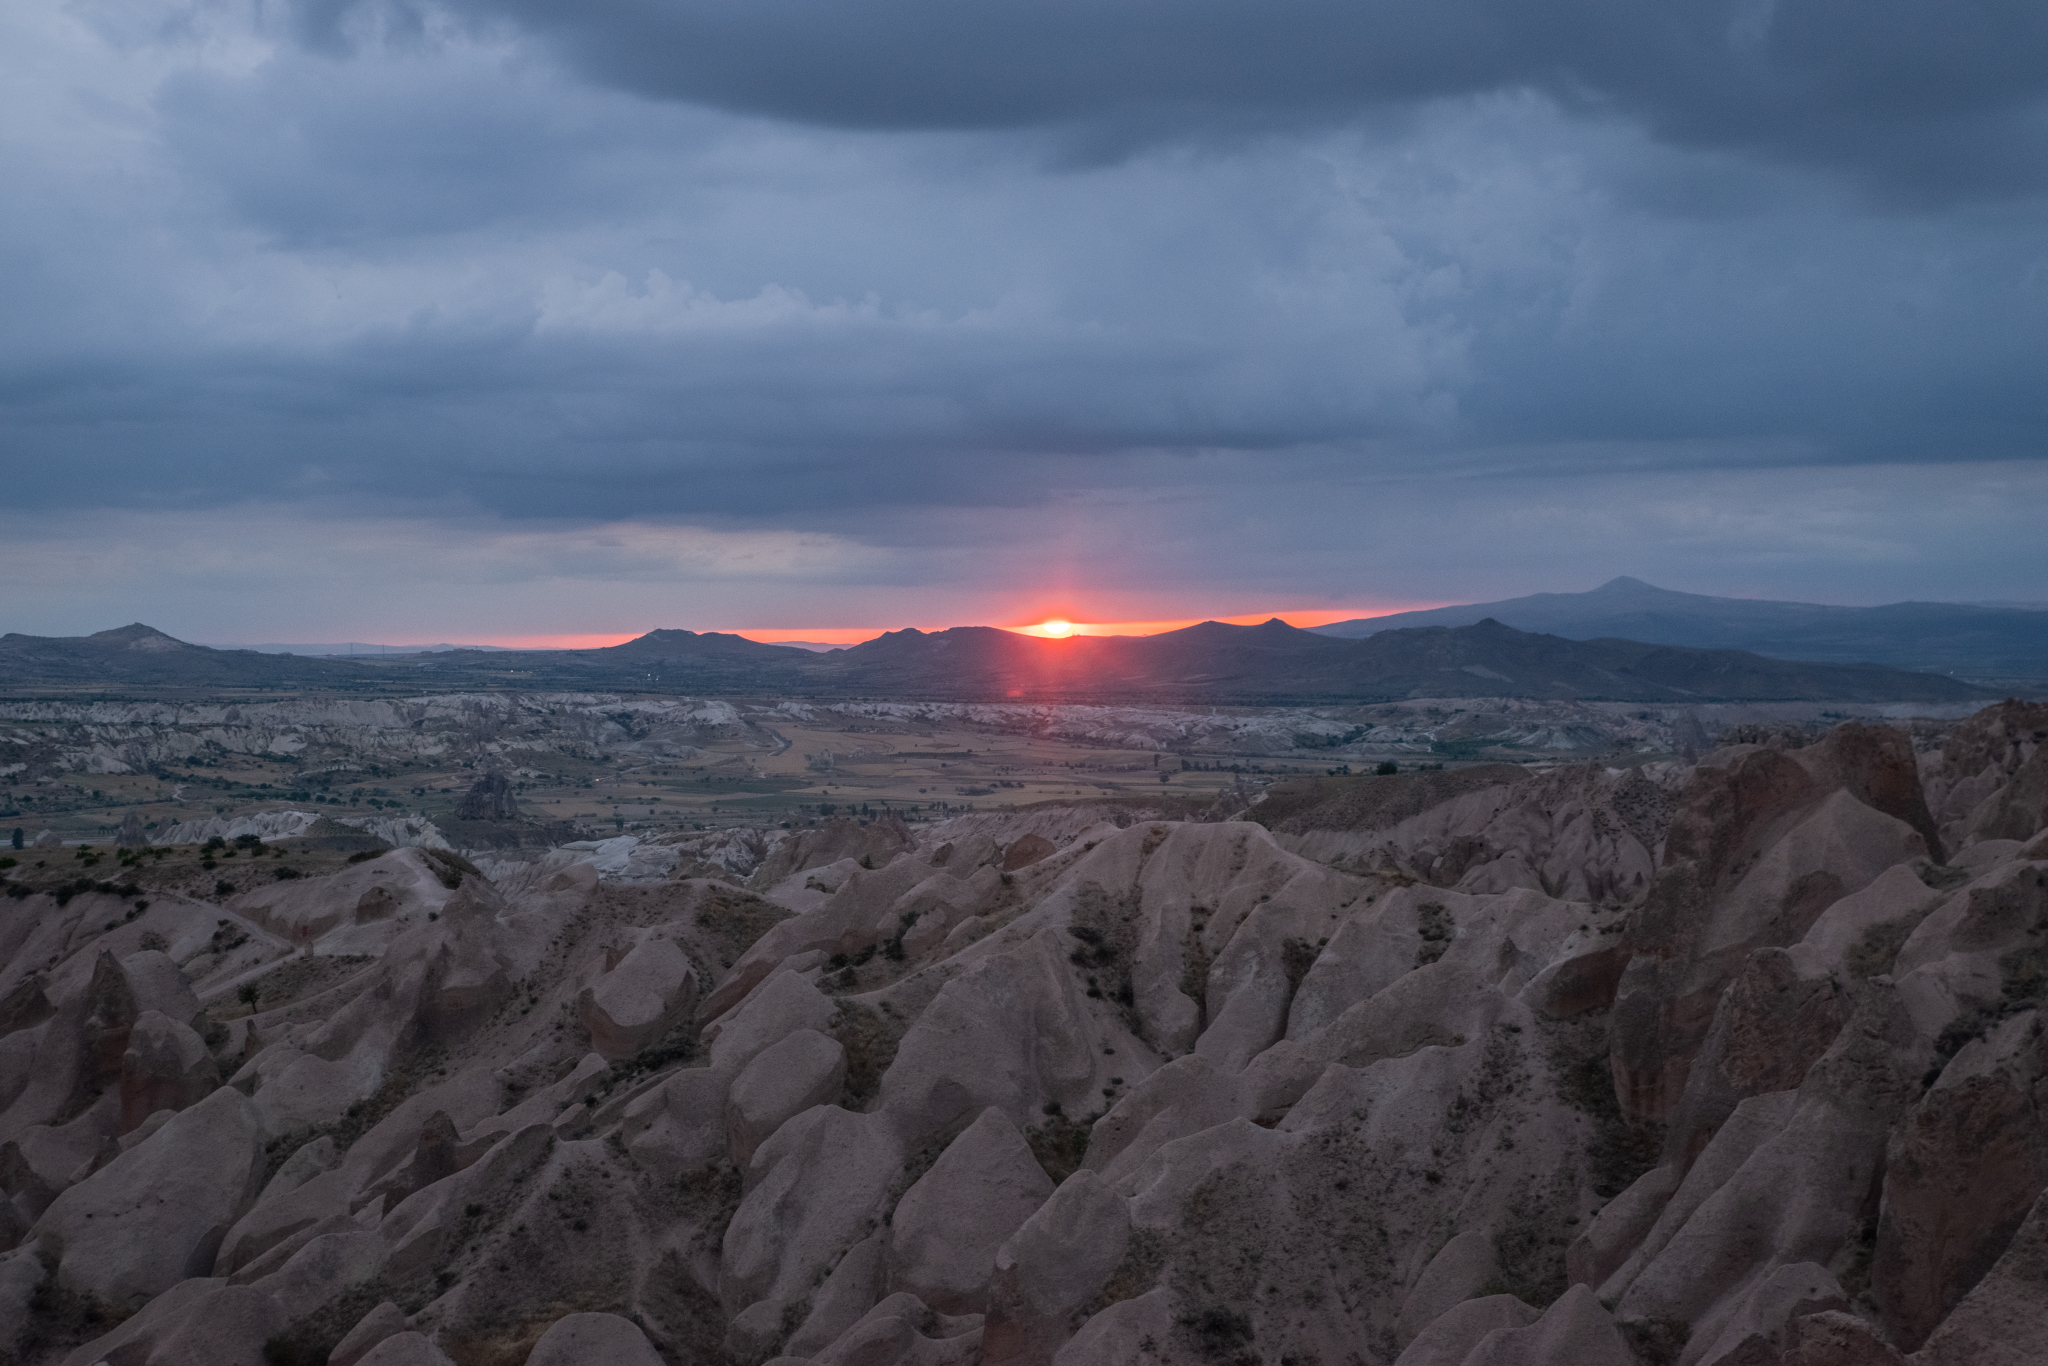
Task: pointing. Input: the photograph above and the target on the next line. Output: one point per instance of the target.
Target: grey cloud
(323, 154)
(606, 427)
(1670, 344)
(1922, 100)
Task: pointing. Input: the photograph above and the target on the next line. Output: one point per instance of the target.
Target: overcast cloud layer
(505, 317)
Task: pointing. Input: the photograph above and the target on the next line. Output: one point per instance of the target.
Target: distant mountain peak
(1626, 589)
(137, 636)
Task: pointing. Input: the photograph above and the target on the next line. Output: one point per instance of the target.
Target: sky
(529, 321)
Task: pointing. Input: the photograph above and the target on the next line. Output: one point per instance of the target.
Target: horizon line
(840, 637)
(846, 636)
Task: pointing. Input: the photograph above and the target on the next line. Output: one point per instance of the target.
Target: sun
(1056, 628)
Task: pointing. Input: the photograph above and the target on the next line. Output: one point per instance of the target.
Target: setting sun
(1065, 628)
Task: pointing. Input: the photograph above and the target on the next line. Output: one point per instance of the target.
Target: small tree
(18, 837)
(247, 994)
(1387, 768)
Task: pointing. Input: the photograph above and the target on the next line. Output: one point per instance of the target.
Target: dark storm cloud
(789, 417)
(1922, 99)
(415, 158)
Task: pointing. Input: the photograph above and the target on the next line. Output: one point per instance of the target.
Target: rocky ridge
(1728, 1063)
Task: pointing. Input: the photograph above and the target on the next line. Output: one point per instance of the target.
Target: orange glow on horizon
(817, 635)
(560, 642)
(1153, 628)
(1044, 628)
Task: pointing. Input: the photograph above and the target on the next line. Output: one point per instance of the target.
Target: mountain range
(1973, 640)
(1271, 663)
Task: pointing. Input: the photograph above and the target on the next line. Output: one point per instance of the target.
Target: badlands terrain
(1719, 1048)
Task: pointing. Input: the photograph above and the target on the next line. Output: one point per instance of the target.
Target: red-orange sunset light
(1057, 628)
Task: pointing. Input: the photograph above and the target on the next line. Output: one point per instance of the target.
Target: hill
(1209, 663)
(1980, 641)
(1275, 662)
(142, 656)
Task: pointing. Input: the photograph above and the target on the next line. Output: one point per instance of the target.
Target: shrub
(1219, 1329)
(285, 1350)
(1433, 923)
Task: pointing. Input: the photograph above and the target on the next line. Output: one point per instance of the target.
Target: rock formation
(489, 799)
(1736, 1063)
